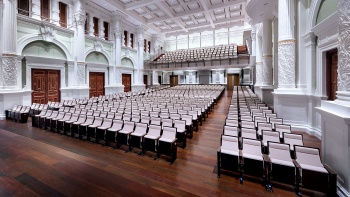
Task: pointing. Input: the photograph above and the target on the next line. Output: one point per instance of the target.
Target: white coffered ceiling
(175, 17)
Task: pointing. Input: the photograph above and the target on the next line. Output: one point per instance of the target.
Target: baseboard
(341, 191)
(307, 129)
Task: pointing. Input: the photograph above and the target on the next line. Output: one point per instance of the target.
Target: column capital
(118, 15)
(118, 31)
(79, 18)
(141, 28)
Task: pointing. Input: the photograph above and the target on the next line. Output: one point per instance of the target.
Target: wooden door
(97, 84)
(236, 79)
(173, 80)
(45, 86)
(145, 80)
(126, 80)
(332, 74)
(230, 82)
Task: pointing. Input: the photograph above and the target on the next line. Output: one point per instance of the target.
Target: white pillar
(91, 25)
(258, 67)
(275, 52)
(154, 44)
(1, 40)
(36, 9)
(140, 52)
(55, 18)
(101, 29)
(286, 44)
(9, 67)
(252, 60)
(267, 53)
(79, 44)
(118, 32)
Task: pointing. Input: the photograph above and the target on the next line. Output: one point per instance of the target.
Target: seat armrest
(296, 164)
(266, 158)
(330, 170)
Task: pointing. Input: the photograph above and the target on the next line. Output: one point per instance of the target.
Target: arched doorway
(98, 68)
(44, 78)
(127, 76)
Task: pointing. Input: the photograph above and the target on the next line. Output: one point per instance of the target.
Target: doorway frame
(59, 82)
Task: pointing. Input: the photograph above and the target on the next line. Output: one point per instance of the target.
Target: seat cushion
(151, 137)
(125, 131)
(282, 162)
(138, 134)
(313, 168)
(167, 140)
(229, 152)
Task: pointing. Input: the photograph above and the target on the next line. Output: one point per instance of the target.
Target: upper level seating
(222, 51)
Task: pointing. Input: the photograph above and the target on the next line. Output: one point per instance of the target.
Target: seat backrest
(89, 120)
(231, 122)
(154, 114)
(169, 133)
(264, 126)
(167, 122)
(118, 116)
(81, 118)
(164, 115)
(128, 126)
(96, 113)
(246, 118)
(272, 136)
(48, 113)
(144, 113)
(231, 131)
(110, 115)
(293, 139)
(229, 143)
(275, 121)
(74, 117)
(98, 121)
(248, 124)
(251, 147)
(156, 121)
(67, 116)
(180, 124)
(248, 133)
(90, 112)
(135, 118)
(259, 119)
(60, 115)
(279, 151)
(154, 130)
(127, 117)
(117, 124)
(271, 115)
(71, 110)
(141, 128)
(307, 155)
(283, 128)
(103, 114)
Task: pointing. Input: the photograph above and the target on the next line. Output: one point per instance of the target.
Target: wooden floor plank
(36, 162)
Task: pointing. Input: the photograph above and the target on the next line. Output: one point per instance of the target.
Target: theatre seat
(167, 143)
(228, 155)
(136, 137)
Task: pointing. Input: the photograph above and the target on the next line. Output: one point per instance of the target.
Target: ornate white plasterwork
(267, 70)
(48, 33)
(118, 73)
(344, 46)
(79, 19)
(258, 73)
(9, 71)
(286, 64)
(97, 45)
(81, 74)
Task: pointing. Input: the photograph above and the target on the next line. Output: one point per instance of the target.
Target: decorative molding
(79, 19)
(97, 45)
(48, 33)
(9, 70)
(81, 74)
(267, 70)
(286, 64)
(343, 48)
(286, 41)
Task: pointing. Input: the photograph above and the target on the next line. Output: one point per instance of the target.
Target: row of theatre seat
(21, 113)
(201, 53)
(157, 127)
(254, 136)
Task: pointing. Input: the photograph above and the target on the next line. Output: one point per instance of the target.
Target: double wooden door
(97, 84)
(126, 81)
(45, 86)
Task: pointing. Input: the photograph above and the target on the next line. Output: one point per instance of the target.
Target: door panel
(229, 82)
(236, 79)
(97, 84)
(126, 81)
(45, 86)
(332, 74)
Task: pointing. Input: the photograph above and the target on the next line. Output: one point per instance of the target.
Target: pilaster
(267, 53)
(55, 19)
(36, 9)
(155, 78)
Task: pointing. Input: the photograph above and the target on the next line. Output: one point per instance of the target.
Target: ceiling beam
(170, 13)
(139, 4)
(131, 14)
(204, 5)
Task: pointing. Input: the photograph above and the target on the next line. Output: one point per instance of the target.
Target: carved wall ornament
(258, 73)
(286, 64)
(79, 19)
(267, 70)
(118, 32)
(9, 70)
(97, 45)
(343, 48)
(48, 33)
(81, 74)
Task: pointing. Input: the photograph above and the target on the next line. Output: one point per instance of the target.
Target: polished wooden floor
(35, 162)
